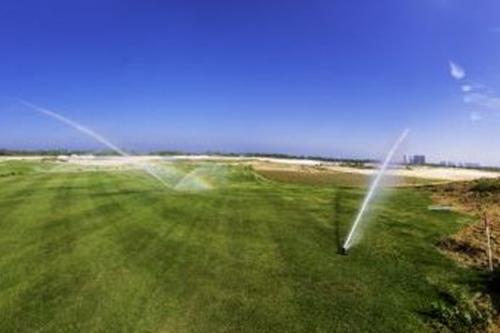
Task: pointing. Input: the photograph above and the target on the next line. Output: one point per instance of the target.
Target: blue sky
(339, 78)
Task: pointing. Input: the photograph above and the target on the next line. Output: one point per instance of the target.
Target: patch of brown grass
(315, 178)
(318, 176)
(480, 199)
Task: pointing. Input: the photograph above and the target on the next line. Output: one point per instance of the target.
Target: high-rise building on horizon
(415, 159)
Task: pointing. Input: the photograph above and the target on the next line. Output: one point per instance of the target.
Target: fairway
(114, 251)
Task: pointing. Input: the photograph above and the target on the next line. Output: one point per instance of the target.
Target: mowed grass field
(110, 251)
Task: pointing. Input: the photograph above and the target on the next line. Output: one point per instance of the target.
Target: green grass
(114, 252)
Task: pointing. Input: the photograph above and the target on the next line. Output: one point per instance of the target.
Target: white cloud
(488, 101)
(475, 116)
(466, 88)
(456, 71)
(475, 87)
(475, 94)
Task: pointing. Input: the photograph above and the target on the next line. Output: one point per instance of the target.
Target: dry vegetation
(315, 178)
(481, 199)
(323, 176)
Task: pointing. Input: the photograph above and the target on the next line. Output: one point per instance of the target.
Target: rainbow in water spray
(373, 189)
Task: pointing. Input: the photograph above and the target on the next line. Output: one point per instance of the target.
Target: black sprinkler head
(343, 251)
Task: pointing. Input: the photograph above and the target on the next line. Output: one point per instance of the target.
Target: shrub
(463, 313)
(487, 186)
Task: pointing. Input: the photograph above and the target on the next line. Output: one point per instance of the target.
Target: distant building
(418, 160)
(415, 159)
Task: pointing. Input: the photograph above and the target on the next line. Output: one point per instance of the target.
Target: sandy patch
(263, 163)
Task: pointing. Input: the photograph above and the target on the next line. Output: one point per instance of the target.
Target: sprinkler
(373, 190)
(343, 251)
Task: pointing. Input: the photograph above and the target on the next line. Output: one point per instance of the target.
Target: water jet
(372, 191)
(87, 131)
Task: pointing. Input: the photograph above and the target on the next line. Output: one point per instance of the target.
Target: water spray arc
(372, 190)
(92, 134)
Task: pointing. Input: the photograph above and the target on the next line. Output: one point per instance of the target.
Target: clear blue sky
(340, 78)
